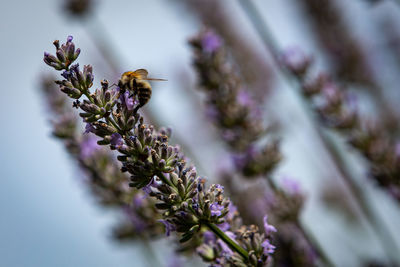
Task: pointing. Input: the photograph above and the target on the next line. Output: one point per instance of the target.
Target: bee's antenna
(114, 84)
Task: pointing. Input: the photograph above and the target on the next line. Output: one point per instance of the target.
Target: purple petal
(267, 227)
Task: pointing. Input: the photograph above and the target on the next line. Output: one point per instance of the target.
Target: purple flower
(295, 60)
(175, 261)
(127, 100)
(66, 74)
(216, 209)
(138, 200)
(211, 113)
(225, 248)
(269, 229)
(75, 68)
(89, 128)
(134, 218)
(211, 42)
(169, 227)
(291, 186)
(229, 135)
(241, 160)
(244, 99)
(232, 211)
(116, 140)
(208, 237)
(89, 146)
(225, 226)
(268, 247)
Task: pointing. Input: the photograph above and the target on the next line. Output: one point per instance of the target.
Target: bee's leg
(135, 110)
(112, 85)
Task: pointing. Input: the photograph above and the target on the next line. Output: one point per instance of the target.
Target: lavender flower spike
(187, 205)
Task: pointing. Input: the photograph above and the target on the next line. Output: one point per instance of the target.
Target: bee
(137, 83)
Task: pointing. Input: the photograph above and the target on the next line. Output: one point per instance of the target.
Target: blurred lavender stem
(347, 56)
(308, 235)
(149, 254)
(384, 236)
(223, 96)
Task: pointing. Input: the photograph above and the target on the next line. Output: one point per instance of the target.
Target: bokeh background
(49, 219)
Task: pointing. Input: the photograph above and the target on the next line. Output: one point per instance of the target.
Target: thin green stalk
(232, 244)
(164, 179)
(110, 120)
(261, 27)
(311, 239)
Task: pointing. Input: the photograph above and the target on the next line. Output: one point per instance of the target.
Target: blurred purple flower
(175, 261)
(211, 42)
(240, 160)
(211, 113)
(291, 186)
(89, 146)
(229, 135)
(136, 221)
(225, 226)
(225, 248)
(138, 200)
(244, 99)
(269, 229)
(295, 60)
(268, 247)
(208, 237)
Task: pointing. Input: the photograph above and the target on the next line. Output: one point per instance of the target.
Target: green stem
(164, 179)
(232, 244)
(110, 120)
(86, 93)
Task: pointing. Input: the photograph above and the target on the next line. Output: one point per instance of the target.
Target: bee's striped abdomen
(143, 90)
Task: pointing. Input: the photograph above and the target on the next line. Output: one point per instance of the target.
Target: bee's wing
(140, 74)
(154, 79)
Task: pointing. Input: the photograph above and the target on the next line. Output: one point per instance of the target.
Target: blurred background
(49, 219)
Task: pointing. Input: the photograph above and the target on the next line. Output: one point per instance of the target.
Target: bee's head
(125, 78)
